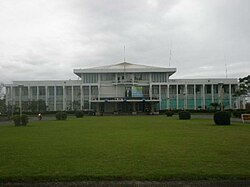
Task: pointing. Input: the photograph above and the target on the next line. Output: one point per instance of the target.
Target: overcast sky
(47, 39)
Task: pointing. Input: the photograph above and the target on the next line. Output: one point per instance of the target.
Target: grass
(124, 148)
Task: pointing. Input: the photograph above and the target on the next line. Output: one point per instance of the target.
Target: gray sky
(47, 39)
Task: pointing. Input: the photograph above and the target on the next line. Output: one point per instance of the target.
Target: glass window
(226, 88)
(190, 89)
(107, 77)
(41, 90)
(33, 90)
(59, 90)
(172, 89)
(90, 78)
(181, 89)
(51, 90)
(208, 89)
(159, 77)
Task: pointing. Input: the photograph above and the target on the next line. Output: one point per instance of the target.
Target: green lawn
(124, 148)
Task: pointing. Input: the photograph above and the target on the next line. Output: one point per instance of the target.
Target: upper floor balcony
(130, 82)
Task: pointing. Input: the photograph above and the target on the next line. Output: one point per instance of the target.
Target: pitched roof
(124, 67)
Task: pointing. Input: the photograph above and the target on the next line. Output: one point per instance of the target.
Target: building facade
(123, 87)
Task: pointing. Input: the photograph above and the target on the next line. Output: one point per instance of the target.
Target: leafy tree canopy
(244, 87)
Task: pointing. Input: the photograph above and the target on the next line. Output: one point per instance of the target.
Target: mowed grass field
(124, 148)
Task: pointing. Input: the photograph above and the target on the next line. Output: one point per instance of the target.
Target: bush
(4, 118)
(222, 118)
(184, 115)
(169, 113)
(61, 115)
(79, 114)
(20, 120)
(238, 113)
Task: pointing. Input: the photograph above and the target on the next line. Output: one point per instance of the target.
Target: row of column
(195, 97)
(89, 95)
(30, 97)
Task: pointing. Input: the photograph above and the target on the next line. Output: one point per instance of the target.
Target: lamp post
(220, 85)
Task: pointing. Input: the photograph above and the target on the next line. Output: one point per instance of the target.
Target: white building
(123, 87)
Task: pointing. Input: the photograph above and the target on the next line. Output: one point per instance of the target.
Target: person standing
(39, 116)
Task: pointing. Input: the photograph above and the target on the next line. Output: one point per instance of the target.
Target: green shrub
(169, 113)
(184, 115)
(79, 114)
(20, 120)
(238, 113)
(61, 115)
(4, 118)
(222, 118)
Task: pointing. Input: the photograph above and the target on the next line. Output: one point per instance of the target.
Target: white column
(177, 97)
(12, 96)
(29, 98)
(168, 99)
(160, 95)
(203, 97)
(72, 97)
(230, 96)
(99, 87)
(7, 95)
(212, 90)
(20, 98)
(185, 99)
(37, 93)
(150, 86)
(150, 91)
(81, 96)
(195, 97)
(46, 95)
(31, 93)
(54, 98)
(90, 96)
(99, 92)
(64, 96)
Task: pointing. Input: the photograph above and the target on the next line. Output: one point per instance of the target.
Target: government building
(123, 88)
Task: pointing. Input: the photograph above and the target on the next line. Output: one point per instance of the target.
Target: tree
(2, 99)
(2, 91)
(244, 88)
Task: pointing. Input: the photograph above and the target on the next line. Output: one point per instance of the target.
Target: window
(159, 77)
(94, 90)
(90, 78)
(33, 90)
(41, 90)
(59, 90)
(208, 89)
(215, 88)
(138, 76)
(181, 89)
(172, 89)
(107, 77)
(226, 88)
(51, 90)
(190, 89)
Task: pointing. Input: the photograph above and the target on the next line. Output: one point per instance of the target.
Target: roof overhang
(125, 68)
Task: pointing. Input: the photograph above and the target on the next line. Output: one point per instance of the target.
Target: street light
(220, 85)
